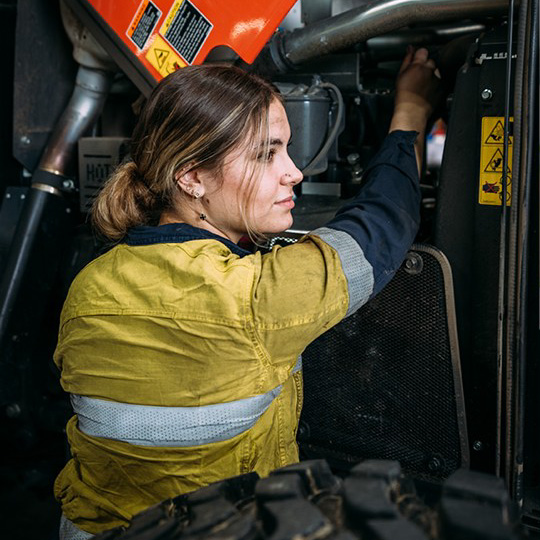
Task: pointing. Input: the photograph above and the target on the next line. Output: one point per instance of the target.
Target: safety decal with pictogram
(163, 58)
(492, 162)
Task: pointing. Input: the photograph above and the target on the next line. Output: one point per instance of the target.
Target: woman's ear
(190, 182)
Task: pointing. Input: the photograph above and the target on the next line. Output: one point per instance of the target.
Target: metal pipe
(51, 177)
(86, 103)
(392, 45)
(19, 255)
(374, 19)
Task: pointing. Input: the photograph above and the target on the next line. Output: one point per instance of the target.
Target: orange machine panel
(165, 35)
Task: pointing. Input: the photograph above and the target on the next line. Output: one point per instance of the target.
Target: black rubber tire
(306, 501)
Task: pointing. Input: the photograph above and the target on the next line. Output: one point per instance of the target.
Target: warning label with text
(491, 189)
(186, 29)
(143, 23)
(164, 59)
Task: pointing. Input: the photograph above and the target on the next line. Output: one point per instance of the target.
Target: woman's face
(271, 205)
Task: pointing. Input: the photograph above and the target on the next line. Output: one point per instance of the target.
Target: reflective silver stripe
(148, 425)
(356, 267)
(70, 531)
(298, 366)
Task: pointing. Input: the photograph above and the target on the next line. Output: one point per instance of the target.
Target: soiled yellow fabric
(188, 324)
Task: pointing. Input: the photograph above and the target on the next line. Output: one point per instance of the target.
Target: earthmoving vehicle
(440, 372)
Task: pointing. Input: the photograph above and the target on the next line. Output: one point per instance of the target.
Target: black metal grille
(383, 383)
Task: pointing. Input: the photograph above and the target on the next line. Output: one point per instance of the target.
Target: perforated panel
(384, 383)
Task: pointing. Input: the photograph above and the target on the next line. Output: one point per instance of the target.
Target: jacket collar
(176, 232)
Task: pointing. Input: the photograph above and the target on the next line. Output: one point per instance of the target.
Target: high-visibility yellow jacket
(181, 351)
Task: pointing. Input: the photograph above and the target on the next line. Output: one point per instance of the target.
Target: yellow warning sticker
(170, 18)
(492, 162)
(495, 134)
(163, 57)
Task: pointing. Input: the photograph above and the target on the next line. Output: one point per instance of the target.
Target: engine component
(151, 38)
(306, 106)
(366, 21)
(312, 106)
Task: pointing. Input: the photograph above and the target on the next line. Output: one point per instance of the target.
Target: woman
(181, 351)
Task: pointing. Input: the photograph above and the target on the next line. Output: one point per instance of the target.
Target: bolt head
(486, 94)
(478, 446)
(13, 410)
(353, 159)
(414, 264)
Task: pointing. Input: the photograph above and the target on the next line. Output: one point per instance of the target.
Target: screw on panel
(353, 159)
(304, 430)
(486, 94)
(356, 168)
(478, 446)
(414, 263)
(13, 410)
(68, 184)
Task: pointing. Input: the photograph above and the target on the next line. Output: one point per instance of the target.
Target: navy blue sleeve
(378, 226)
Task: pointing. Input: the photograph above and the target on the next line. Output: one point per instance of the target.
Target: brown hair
(193, 118)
